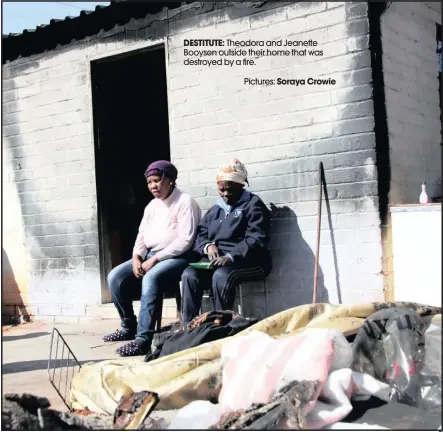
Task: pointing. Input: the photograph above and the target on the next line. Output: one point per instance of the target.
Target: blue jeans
(124, 287)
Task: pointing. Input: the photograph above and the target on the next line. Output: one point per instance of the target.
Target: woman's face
(159, 186)
(229, 191)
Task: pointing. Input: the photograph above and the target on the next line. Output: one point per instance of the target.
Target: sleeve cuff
(139, 252)
(160, 255)
(230, 257)
(205, 249)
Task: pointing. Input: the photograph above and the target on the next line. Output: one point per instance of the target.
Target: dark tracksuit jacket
(242, 231)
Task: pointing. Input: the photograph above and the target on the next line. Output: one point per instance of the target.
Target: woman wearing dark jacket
(234, 237)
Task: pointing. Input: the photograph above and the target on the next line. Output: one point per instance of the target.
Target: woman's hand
(213, 253)
(137, 266)
(149, 263)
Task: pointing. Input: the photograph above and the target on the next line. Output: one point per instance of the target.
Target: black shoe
(133, 349)
(119, 336)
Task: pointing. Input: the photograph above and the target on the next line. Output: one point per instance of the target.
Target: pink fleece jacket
(168, 226)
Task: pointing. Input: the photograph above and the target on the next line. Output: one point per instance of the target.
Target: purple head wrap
(161, 168)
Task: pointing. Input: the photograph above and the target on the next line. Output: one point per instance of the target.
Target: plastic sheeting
(399, 347)
(431, 369)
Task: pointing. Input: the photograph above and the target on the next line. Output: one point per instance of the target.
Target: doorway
(131, 130)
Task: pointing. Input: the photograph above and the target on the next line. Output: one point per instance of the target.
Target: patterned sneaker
(133, 349)
(119, 336)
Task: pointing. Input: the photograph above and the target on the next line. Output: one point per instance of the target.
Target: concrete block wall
(281, 134)
(49, 156)
(412, 98)
(15, 260)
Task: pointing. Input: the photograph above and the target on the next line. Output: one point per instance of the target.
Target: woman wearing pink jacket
(166, 235)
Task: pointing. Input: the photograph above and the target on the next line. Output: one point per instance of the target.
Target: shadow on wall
(13, 306)
(292, 277)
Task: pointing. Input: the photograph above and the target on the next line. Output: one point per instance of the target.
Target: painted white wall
(416, 243)
(15, 265)
(412, 98)
(49, 153)
(280, 133)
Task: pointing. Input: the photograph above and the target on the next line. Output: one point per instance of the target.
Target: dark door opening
(131, 130)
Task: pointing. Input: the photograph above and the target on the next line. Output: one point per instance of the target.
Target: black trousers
(223, 282)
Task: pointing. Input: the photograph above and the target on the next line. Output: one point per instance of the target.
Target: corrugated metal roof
(61, 32)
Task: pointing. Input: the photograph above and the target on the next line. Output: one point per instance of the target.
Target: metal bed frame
(65, 361)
